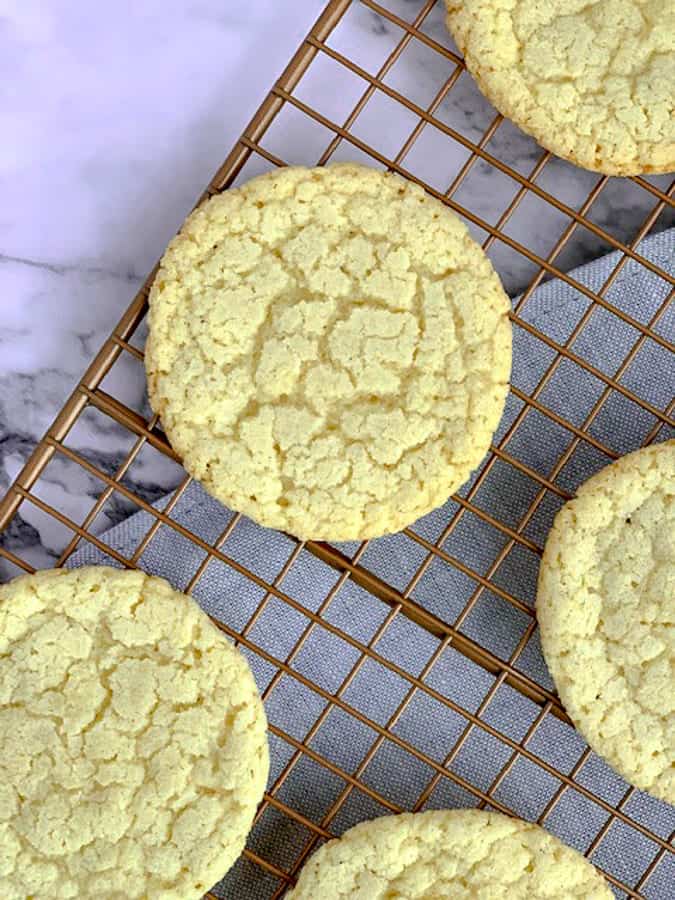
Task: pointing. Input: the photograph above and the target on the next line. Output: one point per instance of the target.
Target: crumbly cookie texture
(606, 609)
(460, 853)
(591, 80)
(133, 746)
(329, 350)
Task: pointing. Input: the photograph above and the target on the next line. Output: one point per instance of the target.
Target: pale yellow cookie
(592, 80)
(133, 745)
(606, 609)
(461, 854)
(329, 350)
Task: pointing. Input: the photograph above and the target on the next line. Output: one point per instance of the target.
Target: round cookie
(591, 81)
(133, 746)
(606, 609)
(329, 350)
(442, 853)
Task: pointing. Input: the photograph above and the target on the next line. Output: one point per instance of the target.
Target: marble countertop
(111, 127)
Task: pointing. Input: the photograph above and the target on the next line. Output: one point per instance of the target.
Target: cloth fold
(370, 698)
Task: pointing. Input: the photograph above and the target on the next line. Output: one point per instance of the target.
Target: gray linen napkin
(326, 659)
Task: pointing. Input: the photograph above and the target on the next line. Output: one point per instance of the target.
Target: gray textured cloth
(427, 724)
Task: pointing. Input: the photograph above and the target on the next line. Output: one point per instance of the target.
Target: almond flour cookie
(133, 744)
(593, 82)
(461, 853)
(329, 351)
(606, 609)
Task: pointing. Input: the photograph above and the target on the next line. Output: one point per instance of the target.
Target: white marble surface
(115, 115)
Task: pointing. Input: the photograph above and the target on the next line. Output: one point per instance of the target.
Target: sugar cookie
(443, 853)
(606, 610)
(593, 82)
(329, 350)
(133, 745)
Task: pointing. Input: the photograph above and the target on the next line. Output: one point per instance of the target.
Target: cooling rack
(303, 120)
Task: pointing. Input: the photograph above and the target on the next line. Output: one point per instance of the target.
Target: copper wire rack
(302, 120)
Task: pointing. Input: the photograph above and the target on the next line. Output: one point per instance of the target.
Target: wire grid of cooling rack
(503, 670)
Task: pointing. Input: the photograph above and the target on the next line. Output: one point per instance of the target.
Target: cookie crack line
(351, 379)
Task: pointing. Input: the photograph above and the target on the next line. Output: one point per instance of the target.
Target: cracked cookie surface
(444, 853)
(133, 747)
(591, 80)
(329, 350)
(606, 610)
